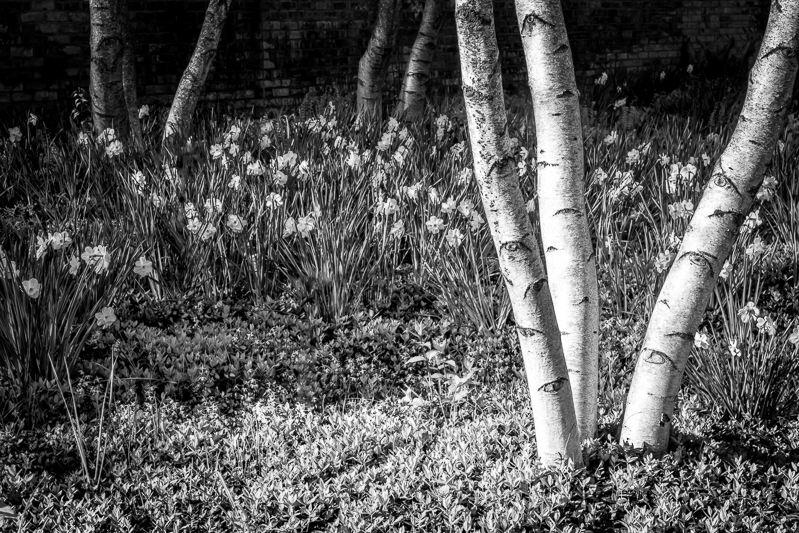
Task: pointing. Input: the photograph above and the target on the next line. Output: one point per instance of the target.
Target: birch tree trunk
(193, 80)
(561, 197)
(414, 85)
(106, 79)
(557, 434)
(374, 63)
(710, 236)
(129, 77)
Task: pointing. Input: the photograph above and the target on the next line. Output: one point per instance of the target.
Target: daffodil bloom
(601, 80)
(432, 195)
(397, 229)
(60, 239)
(114, 149)
(33, 119)
(233, 149)
(235, 223)
(213, 205)
(701, 341)
(755, 249)
(725, 270)
(633, 157)
(449, 206)
(280, 178)
(107, 135)
(157, 200)
(289, 227)
(476, 221)
(190, 210)
(305, 225)
(216, 151)
(287, 160)
(144, 111)
(41, 246)
(705, 159)
(465, 176)
(434, 224)
(663, 261)
(83, 138)
(256, 168)
(208, 232)
(793, 338)
(611, 138)
(664, 160)
(193, 225)
(748, 312)
(105, 317)
(619, 103)
(143, 267)
(466, 207)
(32, 287)
(600, 176)
(765, 324)
(235, 182)
(273, 200)
(97, 257)
(73, 264)
(454, 237)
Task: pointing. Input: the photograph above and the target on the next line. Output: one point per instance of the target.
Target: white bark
(557, 435)
(561, 198)
(108, 28)
(193, 79)
(709, 238)
(374, 63)
(414, 85)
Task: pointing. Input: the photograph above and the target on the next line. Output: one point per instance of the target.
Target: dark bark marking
(551, 249)
(553, 386)
(514, 246)
(681, 334)
(534, 18)
(560, 49)
(568, 211)
(701, 259)
(656, 357)
(737, 218)
(585, 300)
(565, 94)
(528, 332)
(665, 302)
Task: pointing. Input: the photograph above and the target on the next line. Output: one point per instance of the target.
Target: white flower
(476, 221)
(235, 182)
(265, 142)
(465, 176)
(143, 267)
(612, 138)
(213, 205)
(60, 239)
(208, 231)
(33, 119)
(756, 248)
(217, 151)
(233, 150)
(32, 287)
(682, 209)
(449, 206)
(190, 210)
(144, 111)
(454, 237)
(400, 155)
(748, 312)
(619, 103)
(397, 229)
(304, 169)
(530, 205)
(353, 159)
(139, 180)
(725, 270)
(765, 324)
(664, 160)
(74, 263)
(663, 261)
(305, 225)
(287, 160)
(98, 257)
(601, 80)
(255, 169)
(108, 135)
(114, 149)
(466, 207)
(753, 220)
(390, 207)
(193, 225)
(157, 200)
(234, 133)
(701, 341)
(688, 172)
(705, 159)
(689, 69)
(280, 178)
(633, 157)
(41, 245)
(600, 176)
(662, 74)
(411, 191)
(83, 138)
(274, 200)
(434, 224)
(767, 189)
(289, 227)
(235, 223)
(105, 317)
(432, 195)
(246, 157)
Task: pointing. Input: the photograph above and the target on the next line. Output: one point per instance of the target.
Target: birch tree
(414, 86)
(373, 65)
(561, 197)
(193, 79)
(112, 85)
(727, 199)
(557, 434)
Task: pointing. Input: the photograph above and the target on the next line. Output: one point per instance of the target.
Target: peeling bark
(708, 241)
(557, 434)
(193, 80)
(374, 63)
(414, 86)
(561, 198)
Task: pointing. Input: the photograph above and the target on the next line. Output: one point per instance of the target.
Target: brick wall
(274, 51)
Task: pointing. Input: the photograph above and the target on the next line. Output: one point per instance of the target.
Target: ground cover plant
(299, 324)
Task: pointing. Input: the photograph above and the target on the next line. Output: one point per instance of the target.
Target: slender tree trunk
(710, 236)
(129, 77)
(557, 434)
(414, 86)
(561, 198)
(193, 80)
(106, 78)
(374, 62)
